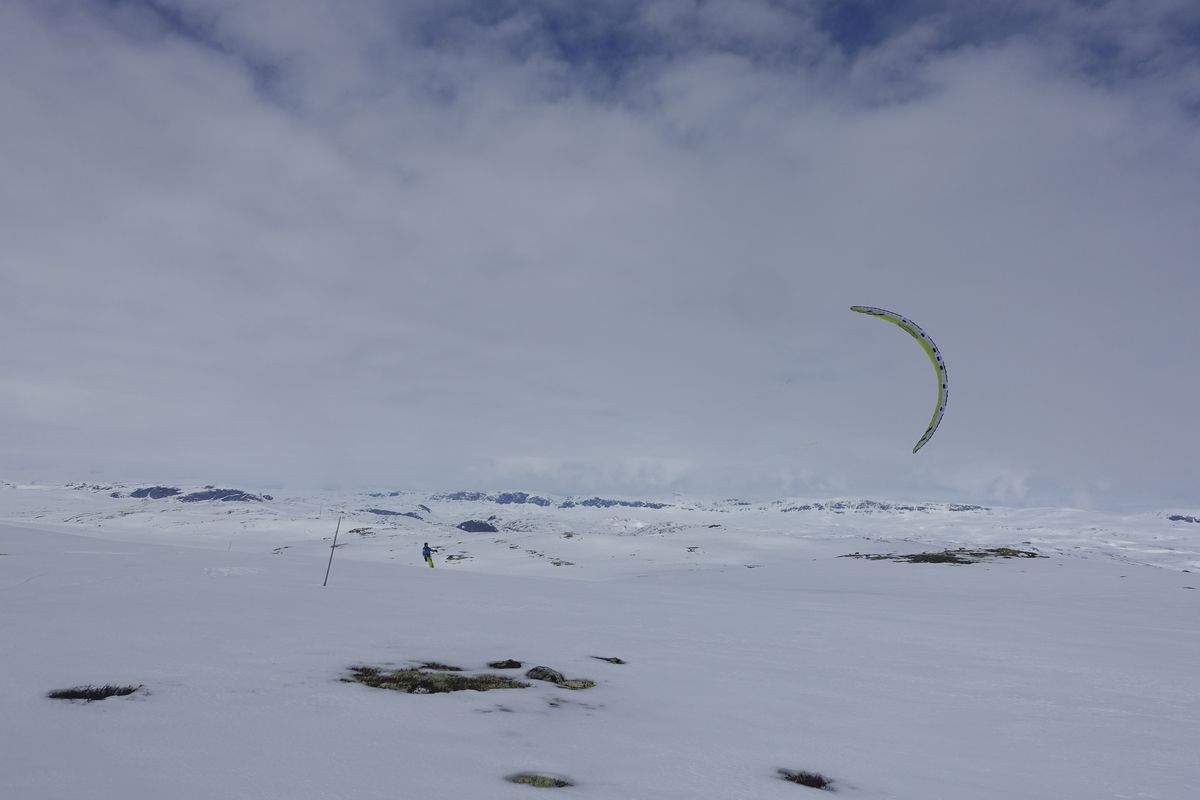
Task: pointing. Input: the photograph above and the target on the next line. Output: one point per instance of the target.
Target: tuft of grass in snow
(814, 780)
(419, 681)
(959, 556)
(609, 659)
(90, 693)
(540, 779)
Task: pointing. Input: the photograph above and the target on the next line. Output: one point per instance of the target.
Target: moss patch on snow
(424, 681)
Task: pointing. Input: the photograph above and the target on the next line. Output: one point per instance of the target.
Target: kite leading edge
(931, 350)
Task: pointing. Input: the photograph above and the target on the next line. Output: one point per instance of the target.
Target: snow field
(1064, 677)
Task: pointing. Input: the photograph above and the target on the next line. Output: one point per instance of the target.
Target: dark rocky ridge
(503, 498)
(224, 495)
(207, 493)
(600, 502)
(383, 512)
(156, 492)
(525, 498)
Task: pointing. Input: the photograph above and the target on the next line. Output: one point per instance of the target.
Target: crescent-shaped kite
(931, 350)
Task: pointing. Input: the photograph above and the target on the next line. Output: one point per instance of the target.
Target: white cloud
(329, 243)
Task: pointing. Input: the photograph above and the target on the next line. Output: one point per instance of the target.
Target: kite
(931, 350)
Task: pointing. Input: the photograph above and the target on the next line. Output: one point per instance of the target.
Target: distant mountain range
(514, 498)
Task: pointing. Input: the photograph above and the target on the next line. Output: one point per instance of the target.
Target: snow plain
(749, 645)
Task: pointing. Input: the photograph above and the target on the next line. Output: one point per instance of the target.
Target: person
(427, 553)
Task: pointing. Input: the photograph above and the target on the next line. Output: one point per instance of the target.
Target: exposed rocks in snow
(429, 680)
(542, 779)
(224, 495)
(813, 780)
(90, 693)
(464, 497)
(873, 506)
(155, 492)
(543, 673)
(383, 512)
(507, 663)
(207, 493)
(519, 498)
(1183, 518)
(503, 498)
(600, 502)
(477, 526)
(432, 677)
(960, 556)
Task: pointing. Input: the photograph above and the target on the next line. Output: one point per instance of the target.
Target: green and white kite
(931, 350)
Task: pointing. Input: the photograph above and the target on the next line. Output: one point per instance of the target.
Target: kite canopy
(931, 350)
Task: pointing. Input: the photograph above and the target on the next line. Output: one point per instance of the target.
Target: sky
(603, 247)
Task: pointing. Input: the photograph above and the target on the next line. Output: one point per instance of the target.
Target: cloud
(609, 245)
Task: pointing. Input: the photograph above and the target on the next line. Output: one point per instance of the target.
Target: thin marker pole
(331, 549)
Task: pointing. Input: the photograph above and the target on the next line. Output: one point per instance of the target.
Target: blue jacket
(426, 551)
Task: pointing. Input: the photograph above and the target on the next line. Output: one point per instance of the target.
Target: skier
(427, 553)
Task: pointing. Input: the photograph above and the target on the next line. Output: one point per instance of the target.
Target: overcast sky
(603, 247)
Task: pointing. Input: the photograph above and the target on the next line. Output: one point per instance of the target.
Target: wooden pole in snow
(331, 549)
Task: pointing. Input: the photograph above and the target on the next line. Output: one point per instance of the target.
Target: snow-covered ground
(749, 646)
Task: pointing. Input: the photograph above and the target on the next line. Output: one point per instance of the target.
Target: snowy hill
(727, 640)
(388, 521)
